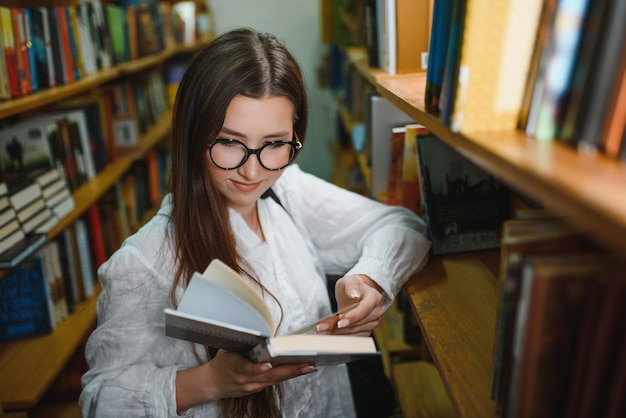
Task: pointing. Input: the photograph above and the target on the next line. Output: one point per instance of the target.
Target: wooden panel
(454, 299)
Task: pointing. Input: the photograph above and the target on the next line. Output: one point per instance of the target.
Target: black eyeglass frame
(295, 144)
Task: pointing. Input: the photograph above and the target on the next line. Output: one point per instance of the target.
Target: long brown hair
(239, 62)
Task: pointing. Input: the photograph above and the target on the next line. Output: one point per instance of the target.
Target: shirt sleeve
(133, 365)
(354, 234)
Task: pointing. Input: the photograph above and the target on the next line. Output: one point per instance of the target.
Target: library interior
(502, 125)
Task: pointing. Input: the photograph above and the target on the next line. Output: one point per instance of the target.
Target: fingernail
(354, 294)
(265, 367)
(309, 369)
(322, 327)
(343, 323)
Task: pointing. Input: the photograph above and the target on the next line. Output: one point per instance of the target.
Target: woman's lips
(246, 187)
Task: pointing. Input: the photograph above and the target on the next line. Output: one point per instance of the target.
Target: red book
(98, 249)
(21, 50)
(66, 48)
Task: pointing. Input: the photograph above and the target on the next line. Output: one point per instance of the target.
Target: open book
(220, 309)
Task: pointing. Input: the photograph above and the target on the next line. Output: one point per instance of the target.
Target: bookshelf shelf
(454, 300)
(28, 367)
(571, 183)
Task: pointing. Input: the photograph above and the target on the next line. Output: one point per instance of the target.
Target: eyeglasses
(229, 154)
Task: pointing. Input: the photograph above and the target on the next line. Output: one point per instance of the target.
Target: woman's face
(253, 122)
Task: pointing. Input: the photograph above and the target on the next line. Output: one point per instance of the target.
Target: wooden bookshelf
(454, 300)
(28, 367)
(586, 189)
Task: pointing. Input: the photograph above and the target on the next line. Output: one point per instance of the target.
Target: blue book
(453, 56)
(25, 302)
(28, 19)
(440, 34)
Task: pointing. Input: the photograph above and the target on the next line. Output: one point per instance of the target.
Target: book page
(209, 300)
(223, 276)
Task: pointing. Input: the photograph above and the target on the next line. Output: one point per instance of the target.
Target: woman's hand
(362, 319)
(230, 375)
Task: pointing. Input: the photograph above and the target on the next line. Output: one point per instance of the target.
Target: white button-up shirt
(321, 229)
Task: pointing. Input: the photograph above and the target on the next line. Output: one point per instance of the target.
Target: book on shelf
(404, 35)
(394, 184)
(532, 233)
(19, 251)
(496, 52)
(32, 65)
(40, 36)
(557, 62)
(5, 84)
(9, 50)
(552, 303)
(372, 32)
(411, 189)
(596, 385)
(25, 301)
(382, 117)
(615, 122)
(603, 49)
(21, 50)
(464, 205)
(237, 319)
(453, 55)
(24, 147)
(76, 61)
(439, 37)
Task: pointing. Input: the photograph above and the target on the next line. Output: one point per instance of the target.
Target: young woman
(238, 122)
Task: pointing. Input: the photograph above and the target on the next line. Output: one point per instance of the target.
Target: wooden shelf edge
(47, 96)
(454, 300)
(45, 356)
(586, 189)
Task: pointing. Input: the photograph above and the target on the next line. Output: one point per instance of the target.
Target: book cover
(56, 47)
(439, 37)
(553, 299)
(521, 238)
(372, 31)
(411, 190)
(559, 58)
(584, 67)
(32, 59)
(383, 117)
(604, 351)
(394, 187)
(606, 73)
(146, 30)
(84, 35)
(412, 34)
(63, 30)
(24, 147)
(21, 50)
(495, 56)
(465, 206)
(453, 55)
(114, 17)
(24, 302)
(9, 50)
(5, 85)
(93, 108)
(237, 319)
(39, 32)
(21, 249)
